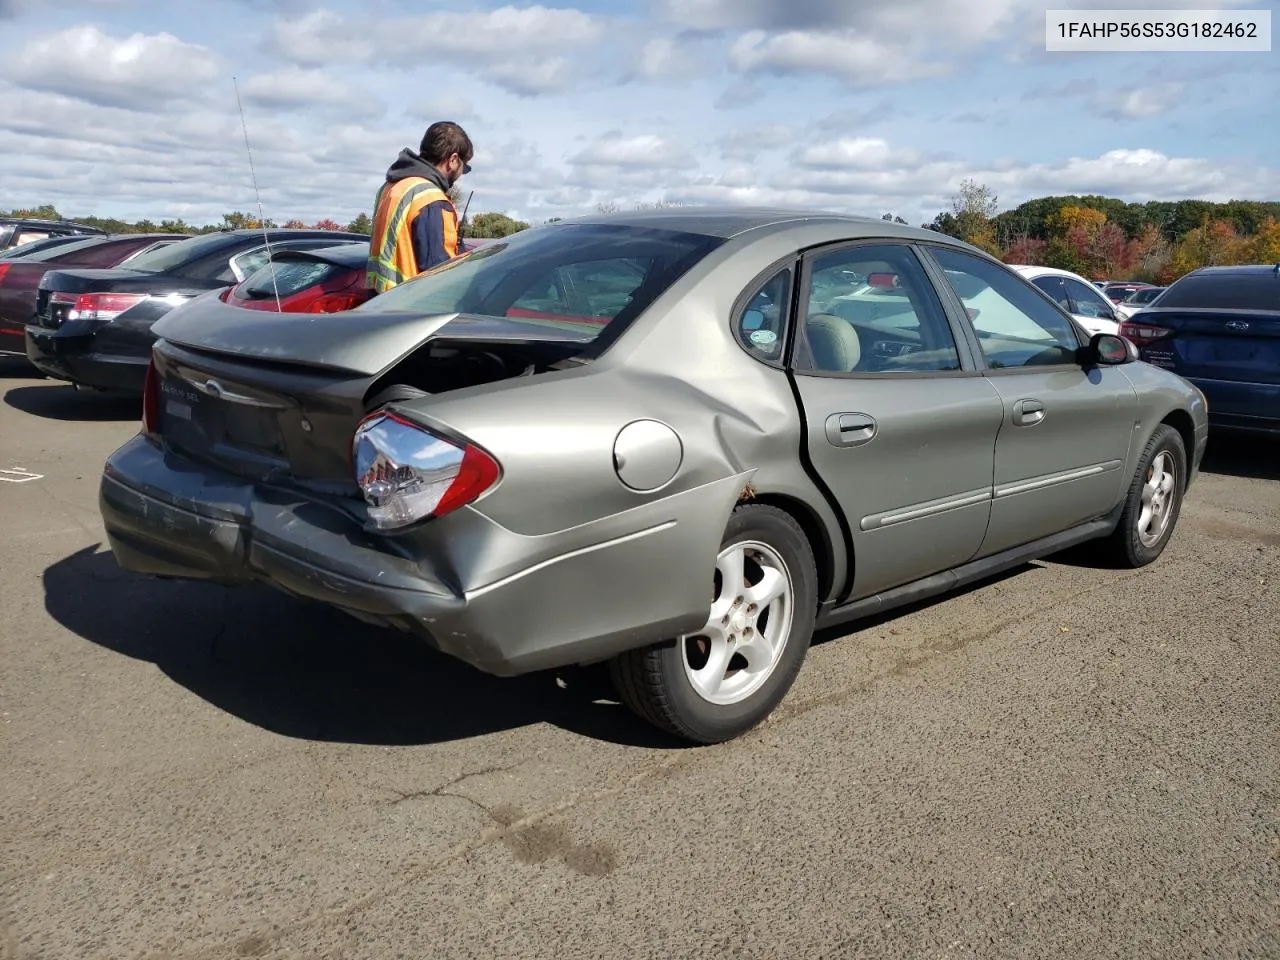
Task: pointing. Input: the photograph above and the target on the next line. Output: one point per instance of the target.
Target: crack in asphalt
(403, 796)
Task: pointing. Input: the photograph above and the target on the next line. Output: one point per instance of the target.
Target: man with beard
(415, 224)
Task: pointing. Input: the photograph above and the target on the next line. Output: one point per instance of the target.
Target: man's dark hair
(443, 139)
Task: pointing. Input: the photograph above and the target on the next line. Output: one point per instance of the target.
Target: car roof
(1035, 270)
(726, 222)
(1238, 270)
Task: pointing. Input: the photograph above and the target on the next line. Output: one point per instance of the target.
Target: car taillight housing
(4, 268)
(408, 474)
(336, 302)
(151, 401)
(97, 306)
(1143, 333)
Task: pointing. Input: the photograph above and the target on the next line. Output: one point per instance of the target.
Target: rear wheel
(1153, 502)
(721, 681)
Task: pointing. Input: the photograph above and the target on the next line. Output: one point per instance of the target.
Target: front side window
(1015, 327)
(588, 278)
(1053, 286)
(1088, 303)
(872, 309)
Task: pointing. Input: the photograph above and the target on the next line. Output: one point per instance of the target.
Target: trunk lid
(276, 397)
(50, 312)
(1207, 344)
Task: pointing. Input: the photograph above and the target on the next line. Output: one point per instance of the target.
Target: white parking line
(18, 475)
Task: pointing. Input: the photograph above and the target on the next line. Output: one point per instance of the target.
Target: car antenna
(262, 218)
(463, 219)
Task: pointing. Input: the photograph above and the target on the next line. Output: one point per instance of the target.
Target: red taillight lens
(1143, 333)
(151, 401)
(407, 473)
(4, 268)
(334, 302)
(97, 306)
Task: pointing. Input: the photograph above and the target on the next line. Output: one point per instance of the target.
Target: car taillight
(151, 401)
(1142, 333)
(97, 306)
(4, 268)
(334, 302)
(407, 473)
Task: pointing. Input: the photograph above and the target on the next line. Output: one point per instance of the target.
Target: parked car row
(83, 312)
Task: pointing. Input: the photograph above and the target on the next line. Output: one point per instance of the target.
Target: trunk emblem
(1239, 326)
(212, 388)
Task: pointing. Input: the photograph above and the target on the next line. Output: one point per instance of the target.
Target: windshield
(1225, 291)
(583, 278)
(180, 254)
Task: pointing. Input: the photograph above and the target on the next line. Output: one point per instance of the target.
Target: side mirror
(1110, 350)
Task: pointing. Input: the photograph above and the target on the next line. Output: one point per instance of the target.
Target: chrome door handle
(1027, 413)
(850, 429)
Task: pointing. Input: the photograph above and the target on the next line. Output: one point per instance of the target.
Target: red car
(20, 274)
(325, 280)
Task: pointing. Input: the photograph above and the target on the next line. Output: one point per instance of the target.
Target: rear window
(586, 278)
(63, 249)
(183, 252)
(291, 276)
(1225, 291)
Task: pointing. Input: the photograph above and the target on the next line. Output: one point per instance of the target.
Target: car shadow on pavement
(1235, 455)
(17, 368)
(61, 401)
(303, 670)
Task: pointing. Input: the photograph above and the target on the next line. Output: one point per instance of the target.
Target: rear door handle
(850, 429)
(1027, 413)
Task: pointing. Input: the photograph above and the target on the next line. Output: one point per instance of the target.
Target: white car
(1076, 295)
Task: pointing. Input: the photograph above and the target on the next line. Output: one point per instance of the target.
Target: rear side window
(1226, 291)
(291, 276)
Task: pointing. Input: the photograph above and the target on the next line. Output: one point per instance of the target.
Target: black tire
(652, 681)
(395, 393)
(1125, 546)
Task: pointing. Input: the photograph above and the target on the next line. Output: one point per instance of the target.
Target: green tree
(361, 224)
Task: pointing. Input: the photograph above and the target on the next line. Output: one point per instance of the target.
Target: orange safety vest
(391, 259)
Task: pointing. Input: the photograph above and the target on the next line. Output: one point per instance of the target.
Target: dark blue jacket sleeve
(428, 236)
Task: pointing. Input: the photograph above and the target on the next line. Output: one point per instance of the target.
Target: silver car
(674, 441)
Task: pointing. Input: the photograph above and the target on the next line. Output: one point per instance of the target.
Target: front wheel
(1153, 502)
(721, 681)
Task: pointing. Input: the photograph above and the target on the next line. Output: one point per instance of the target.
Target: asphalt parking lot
(1066, 762)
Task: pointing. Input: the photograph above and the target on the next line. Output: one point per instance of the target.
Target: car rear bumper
(1241, 406)
(12, 342)
(73, 359)
(168, 517)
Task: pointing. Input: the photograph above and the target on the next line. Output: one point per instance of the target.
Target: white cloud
(750, 142)
(1140, 104)
(521, 49)
(864, 153)
(294, 87)
(646, 151)
(856, 59)
(140, 71)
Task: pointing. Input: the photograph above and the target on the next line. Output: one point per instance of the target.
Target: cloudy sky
(127, 107)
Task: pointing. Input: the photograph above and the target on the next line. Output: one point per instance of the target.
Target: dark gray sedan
(675, 441)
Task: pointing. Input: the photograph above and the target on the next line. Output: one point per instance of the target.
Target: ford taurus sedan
(672, 441)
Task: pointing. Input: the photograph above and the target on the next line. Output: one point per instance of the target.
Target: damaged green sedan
(675, 441)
